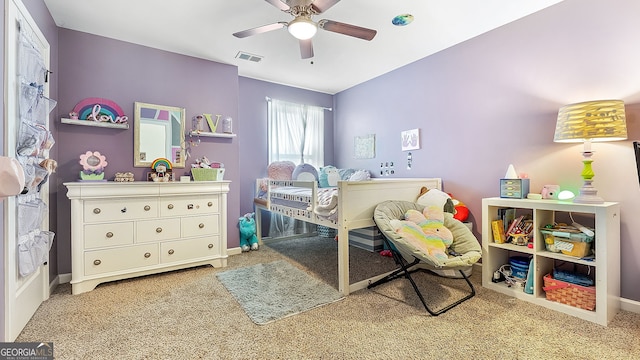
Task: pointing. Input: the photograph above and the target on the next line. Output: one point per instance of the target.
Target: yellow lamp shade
(602, 120)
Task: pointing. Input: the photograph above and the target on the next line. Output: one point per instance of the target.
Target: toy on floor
(248, 238)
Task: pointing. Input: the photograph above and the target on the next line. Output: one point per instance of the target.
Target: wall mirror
(158, 133)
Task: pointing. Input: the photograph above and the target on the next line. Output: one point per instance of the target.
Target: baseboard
(234, 251)
(64, 278)
(625, 304)
(630, 305)
(54, 284)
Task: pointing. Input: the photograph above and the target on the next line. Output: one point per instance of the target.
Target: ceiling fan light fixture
(302, 28)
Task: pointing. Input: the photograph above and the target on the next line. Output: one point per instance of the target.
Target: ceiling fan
(303, 28)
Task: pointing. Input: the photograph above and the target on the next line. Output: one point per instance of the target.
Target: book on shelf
(497, 228)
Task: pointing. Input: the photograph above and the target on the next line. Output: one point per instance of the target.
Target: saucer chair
(463, 252)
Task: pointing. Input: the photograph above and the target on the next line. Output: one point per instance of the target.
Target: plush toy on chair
(248, 238)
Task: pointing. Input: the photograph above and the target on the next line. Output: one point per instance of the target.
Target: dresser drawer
(200, 225)
(120, 209)
(118, 259)
(157, 230)
(173, 251)
(189, 205)
(111, 234)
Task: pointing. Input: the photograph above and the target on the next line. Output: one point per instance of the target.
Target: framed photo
(410, 139)
(364, 147)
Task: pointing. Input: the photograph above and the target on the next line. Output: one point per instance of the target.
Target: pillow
(360, 175)
(280, 170)
(305, 172)
(345, 174)
(328, 177)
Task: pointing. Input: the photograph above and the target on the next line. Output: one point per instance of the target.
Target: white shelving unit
(95, 123)
(606, 263)
(211, 134)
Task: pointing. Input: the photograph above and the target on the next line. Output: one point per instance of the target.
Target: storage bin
(583, 297)
(200, 174)
(519, 266)
(576, 244)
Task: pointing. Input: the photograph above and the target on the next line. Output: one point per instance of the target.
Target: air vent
(250, 57)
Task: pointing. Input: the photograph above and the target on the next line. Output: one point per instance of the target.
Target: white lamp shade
(602, 120)
(302, 28)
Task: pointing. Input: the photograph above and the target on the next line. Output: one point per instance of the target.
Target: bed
(350, 206)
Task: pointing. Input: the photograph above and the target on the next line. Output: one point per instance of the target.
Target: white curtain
(296, 133)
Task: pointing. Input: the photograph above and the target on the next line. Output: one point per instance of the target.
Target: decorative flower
(93, 162)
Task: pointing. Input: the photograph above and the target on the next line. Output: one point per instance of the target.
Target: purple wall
(94, 66)
(493, 101)
(253, 125)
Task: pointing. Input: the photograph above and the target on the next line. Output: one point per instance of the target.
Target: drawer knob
(147, 208)
(147, 255)
(96, 211)
(170, 206)
(97, 262)
(170, 251)
(201, 225)
(109, 234)
(210, 246)
(210, 204)
(159, 230)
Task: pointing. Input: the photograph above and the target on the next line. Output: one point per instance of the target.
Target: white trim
(630, 305)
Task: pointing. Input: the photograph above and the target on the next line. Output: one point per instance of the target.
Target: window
(296, 133)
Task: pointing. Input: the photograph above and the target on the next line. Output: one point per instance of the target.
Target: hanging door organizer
(33, 143)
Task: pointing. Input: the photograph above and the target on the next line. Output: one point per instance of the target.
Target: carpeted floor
(189, 314)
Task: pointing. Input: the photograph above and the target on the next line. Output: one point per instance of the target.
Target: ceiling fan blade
(306, 49)
(260, 30)
(347, 29)
(279, 4)
(320, 6)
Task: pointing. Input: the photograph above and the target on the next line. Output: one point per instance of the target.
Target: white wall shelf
(95, 123)
(211, 134)
(606, 264)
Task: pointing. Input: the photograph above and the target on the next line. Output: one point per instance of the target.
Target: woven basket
(200, 174)
(583, 297)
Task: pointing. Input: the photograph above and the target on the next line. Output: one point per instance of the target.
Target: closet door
(23, 294)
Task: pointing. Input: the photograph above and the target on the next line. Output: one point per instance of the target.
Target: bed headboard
(363, 196)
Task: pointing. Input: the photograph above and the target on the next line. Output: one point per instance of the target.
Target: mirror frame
(176, 111)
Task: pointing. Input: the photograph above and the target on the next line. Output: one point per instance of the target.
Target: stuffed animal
(413, 235)
(305, 172)
(328, 177)
(431, 197)
(461, 210)
(431, 221)
(248, 238)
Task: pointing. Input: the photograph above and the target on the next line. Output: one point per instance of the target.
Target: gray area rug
(272, 291)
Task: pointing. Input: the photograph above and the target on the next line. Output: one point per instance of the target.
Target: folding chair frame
(405, 271)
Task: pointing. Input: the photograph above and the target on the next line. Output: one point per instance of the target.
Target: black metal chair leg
(404, 271)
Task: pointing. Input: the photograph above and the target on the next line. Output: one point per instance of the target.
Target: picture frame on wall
(410, 139)
(364, 147)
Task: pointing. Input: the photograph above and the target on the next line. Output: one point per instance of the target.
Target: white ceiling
(204, 28)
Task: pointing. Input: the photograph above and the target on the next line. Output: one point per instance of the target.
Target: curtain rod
(326, 108)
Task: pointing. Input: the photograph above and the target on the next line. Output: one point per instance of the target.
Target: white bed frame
(356, 203)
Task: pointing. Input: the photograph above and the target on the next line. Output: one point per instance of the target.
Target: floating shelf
(95, 123)
(212, 134)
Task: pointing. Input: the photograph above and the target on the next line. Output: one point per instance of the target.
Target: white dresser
(122, 230)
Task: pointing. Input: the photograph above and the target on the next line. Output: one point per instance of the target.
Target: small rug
(272, 291)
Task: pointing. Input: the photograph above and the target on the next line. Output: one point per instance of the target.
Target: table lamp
(601, 120)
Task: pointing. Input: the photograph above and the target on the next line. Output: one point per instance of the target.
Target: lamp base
(588, 194)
